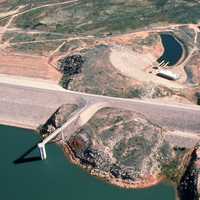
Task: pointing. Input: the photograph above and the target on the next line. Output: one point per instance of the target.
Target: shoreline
(103, 176)
(181, 43)
(18, 125)
(152, 181)
(184, 51)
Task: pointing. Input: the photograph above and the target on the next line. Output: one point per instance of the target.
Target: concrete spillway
(42, 149)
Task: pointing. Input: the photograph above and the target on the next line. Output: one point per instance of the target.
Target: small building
(168, 75)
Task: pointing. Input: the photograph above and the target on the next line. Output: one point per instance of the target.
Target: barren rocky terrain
(55, 121)
(126, 149)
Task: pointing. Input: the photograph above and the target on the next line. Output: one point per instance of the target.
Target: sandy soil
(28, 66)
(133, 64)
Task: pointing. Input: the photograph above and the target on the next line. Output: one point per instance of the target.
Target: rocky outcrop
(125, 148)
(57, 119)
(197, 169)
(189, 187)
(198, 98)
(70, 66)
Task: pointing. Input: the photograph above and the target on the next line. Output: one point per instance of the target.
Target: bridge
(18, 102)
(80, 118)
(173, 117)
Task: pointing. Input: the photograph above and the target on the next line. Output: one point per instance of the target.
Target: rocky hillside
(57, 119)
(126, 149)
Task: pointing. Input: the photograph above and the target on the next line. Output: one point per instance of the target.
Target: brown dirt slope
(28, 66)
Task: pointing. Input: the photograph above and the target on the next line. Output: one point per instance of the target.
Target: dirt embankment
(28, 66)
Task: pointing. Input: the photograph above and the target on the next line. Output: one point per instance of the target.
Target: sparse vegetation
(170, 170)
(116, 16)
(174, 168)
(132, 151)
(31, 19)
(120, 143)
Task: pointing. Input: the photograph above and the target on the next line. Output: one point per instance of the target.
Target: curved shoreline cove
(173, 49)
(24, 176)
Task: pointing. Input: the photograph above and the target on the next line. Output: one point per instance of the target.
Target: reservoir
(56, 178)
(172, 49)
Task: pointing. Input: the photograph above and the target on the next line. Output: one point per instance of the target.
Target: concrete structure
(42, 149)
(17, 104)
(30, 107)
(80, 118)
(167, 74)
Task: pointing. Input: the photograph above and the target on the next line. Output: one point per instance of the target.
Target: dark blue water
(172, 50)
(56, 178)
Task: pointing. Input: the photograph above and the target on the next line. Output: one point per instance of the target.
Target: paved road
(30, 107)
